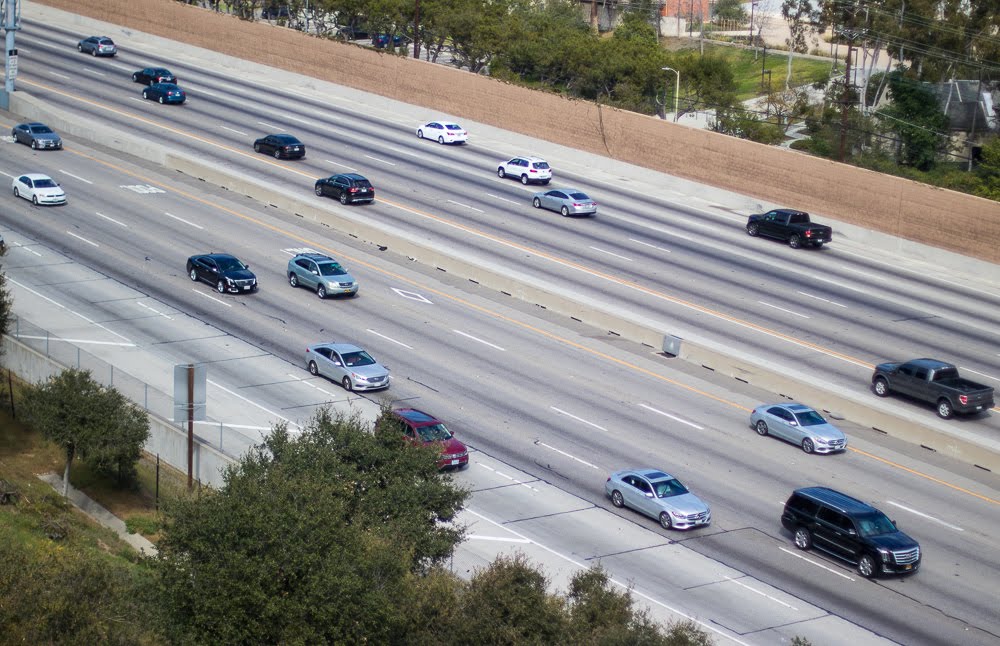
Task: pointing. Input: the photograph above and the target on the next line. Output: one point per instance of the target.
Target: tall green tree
(90, 420)
(917, 120)
(312, 538)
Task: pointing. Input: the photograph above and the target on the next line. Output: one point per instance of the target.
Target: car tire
(347, 385)
(321, 291)
(665, 521)
(80, 47)
(135, 78)
(564, 211)
(193, 274)
(93, 53)
(161, 100)
(803, 538)
(220, 287)
(17, 193)
(343, 198)
(617, 499)
(277, 154)
(944, 409)
(34, 144)
(818, 245)
(537, 203)
(420, 134)
(501, 173)
(293, 280)
(753, 229)
(256, 148)
(545, 182)
(313, 369)
(34, 200)
(524, 179)
(440, 140)
(795, 241)
(319, 191)
(808, 446)
(144, 94)
(761, 428)
(881, 387)
(866, 566)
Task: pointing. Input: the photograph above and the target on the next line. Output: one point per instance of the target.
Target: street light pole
(677, 89)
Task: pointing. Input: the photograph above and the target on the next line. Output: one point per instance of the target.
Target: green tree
(916, 118)
(312, 538)
(989, 169)
(730, 10)
(88, 419)
(706, 81)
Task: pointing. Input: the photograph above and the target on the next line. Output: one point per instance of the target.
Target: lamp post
(677, 88)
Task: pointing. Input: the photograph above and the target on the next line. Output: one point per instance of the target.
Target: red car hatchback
(418, 426)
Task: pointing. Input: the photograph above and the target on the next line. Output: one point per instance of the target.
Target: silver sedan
(799, 425)
(568, 201)
(659, 495)
(348, 365)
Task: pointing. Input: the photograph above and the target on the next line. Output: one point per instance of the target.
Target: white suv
(529, 170)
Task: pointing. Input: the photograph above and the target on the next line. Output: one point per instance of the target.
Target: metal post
(190, 407)
(677, 90)
(77, 357)
(11, 23)
(220, 436)
(145, 396)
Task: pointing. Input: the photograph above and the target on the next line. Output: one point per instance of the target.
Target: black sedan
(346, 187)
(151, 75)
(281, 146)
(164, 93)
(226, 273)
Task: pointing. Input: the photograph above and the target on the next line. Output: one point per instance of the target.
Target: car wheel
(803, 539)
(818, 245)
(319, 191)
(343, 198)
(665, 521)
(545, 182)
(145, 95)
(346, 383)
(944, 409)
(256, 148)
(440, 140)
(135, 78)
(220, 287)
(564, 211)
(866, 566)
(293, 280)
(80, 47)
(500, 173)
(161, 100)
(313, 368)
(881, 387)
(34, 144)
(808, 446)
(753, 229)
(761, 428)
(524, 179)
(93, 53)
(537, 203)
(616, 498)
(321, 291)
(420, 134)
(17, 193)
(795, 242)
(193, 274)
(277, 154)
(34, 200)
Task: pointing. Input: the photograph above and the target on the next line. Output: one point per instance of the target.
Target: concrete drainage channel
(913, 426)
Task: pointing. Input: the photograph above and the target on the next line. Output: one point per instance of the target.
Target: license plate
(908, 567)
(246, 288)
(454, 462)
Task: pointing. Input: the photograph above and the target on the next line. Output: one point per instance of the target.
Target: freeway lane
(565, 405)
(690, 269)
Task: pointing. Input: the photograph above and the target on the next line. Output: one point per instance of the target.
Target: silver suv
(322, 274)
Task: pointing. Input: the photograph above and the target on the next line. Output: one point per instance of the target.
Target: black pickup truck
(935, 382)
(791, 226)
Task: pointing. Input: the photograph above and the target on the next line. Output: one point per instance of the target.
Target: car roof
(797, 408)
(928, 363)
(34, 176)
(531, 159)
(652, 474)
(34, 123)
(340, 348)
(416, 417)
(216, 256)
(318, 257)
(353, 176)
(789, 211)
(837, 500)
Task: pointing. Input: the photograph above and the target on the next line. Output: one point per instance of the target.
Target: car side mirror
(649, 494)
(852, 532)
(336, 363)
(314, 272)
(793, 423)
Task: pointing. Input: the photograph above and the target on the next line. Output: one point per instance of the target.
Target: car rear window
(579, 196)
(541, 165)
(453, 126)
(362, 183)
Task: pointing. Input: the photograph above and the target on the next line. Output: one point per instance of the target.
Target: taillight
(809, 233)
(353, 189)
(532, 170)
(964, 399)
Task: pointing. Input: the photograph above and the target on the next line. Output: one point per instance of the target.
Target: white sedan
(443, 132)
(40, 189)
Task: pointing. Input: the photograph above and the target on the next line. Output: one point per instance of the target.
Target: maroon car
(418, 426)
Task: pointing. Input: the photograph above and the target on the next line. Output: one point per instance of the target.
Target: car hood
(825, 431)
(240, 274)
(45, 136)
(895, 541)
(50, 191)
(374, 370)
(452, 446)
(686, 503)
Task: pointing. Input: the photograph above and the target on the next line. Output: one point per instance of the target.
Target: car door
(768, 224)
(553, 200)
(514, 167)
(903, 380)
(324, 361)
(920, 386)
(342, 185)
(646, 501)
(208, 270)
(833, 532)
(630, 492)
(310, 273)
(20, 134)
(336, 369)
(777, 422)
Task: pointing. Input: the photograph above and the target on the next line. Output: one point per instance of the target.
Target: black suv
(850, 530)
(347, 187)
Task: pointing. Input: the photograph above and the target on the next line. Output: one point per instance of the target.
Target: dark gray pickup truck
(791, 226)
(934, 382)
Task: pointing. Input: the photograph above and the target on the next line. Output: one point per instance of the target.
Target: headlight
(230, 281)
(884, 553)
(358, 377)
(677, 514)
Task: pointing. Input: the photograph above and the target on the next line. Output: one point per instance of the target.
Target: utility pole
(844, 102)
(11, 17)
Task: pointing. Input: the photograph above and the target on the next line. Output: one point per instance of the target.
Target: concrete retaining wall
(917, 212)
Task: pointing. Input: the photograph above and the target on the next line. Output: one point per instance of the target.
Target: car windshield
(810, 418)
(453, 126)
(45, 183)
(434, 433)
(579, 196)
(875, 525)
(360, 358)
(331, 269)
(668, 488)
(41, 130)
(230, 264)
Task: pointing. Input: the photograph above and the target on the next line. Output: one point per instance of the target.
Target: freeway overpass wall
(898, 207)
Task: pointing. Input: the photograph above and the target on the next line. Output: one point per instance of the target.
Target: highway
(564, 404)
